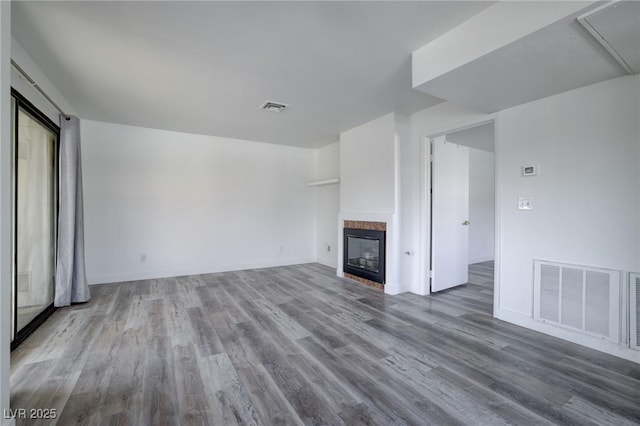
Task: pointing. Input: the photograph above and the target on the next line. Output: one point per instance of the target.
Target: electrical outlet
(525, 203)
(327, 247)
(143, 258)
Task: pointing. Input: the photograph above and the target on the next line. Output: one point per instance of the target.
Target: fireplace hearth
(364, 252)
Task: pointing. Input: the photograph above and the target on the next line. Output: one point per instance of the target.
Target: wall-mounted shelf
(325, 182)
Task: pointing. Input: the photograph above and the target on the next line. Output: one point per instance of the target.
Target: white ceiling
(206, 67)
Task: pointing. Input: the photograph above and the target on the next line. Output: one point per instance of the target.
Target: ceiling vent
(616, 26)
(273, 106)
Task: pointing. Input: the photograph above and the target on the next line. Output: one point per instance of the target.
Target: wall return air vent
(634, 310)
(273, 106)
(581, 298)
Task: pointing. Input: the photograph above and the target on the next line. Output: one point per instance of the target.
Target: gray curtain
(71, 277)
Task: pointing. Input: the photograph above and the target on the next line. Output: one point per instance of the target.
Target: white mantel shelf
(325, 182)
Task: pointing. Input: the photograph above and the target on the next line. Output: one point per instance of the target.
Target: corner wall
(327, 204)
(160, 203)
(586, 199)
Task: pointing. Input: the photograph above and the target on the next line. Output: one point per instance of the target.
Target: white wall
(327, 204)
(191, 203)
(5, 205)
(481, 206)
(586, 200)
(405, 251)
(367, 168)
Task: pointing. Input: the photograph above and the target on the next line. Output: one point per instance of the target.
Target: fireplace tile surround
(364, 281)
(376, 272)
(361, 224)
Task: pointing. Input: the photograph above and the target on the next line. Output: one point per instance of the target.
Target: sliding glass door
(35, 220)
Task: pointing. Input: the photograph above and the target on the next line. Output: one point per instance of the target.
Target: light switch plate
(525, 203)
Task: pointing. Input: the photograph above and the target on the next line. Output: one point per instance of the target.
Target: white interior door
(449, 214)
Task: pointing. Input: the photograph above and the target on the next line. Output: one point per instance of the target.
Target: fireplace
(364, 253)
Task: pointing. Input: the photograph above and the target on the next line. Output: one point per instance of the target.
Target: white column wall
(369, 161)
(5, 206)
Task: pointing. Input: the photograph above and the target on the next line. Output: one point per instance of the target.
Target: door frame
(425, 202)
(21, 102)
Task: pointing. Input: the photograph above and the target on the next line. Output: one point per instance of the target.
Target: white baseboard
(527, 321)
(195, 270)
(418, 289)
(392, 289)
(329, 263)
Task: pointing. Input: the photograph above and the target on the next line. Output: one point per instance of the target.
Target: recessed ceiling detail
(273, 106)
(557, 58)
(617, 27)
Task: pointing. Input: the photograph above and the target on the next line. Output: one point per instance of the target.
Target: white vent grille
(634, 311)
(571, 297)
(550, 293)
(580, 298)
(596, 290)
(273, 106)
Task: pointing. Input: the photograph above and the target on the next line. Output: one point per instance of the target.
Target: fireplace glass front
(364, 253)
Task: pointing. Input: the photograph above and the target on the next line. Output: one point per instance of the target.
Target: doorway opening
(460, 207)
(35, 216)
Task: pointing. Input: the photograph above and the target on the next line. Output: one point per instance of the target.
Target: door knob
(466, 222)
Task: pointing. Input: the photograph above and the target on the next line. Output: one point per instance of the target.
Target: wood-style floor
(296, 345)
